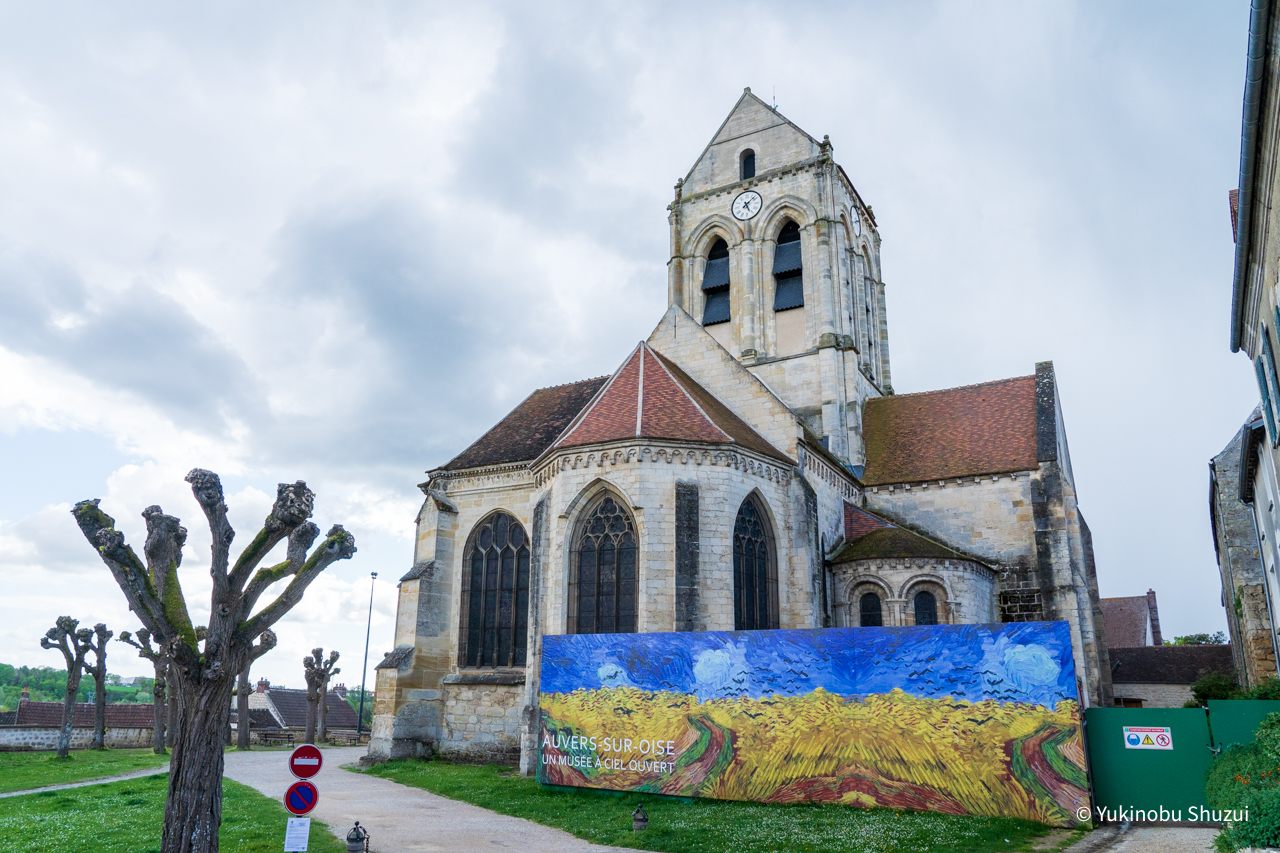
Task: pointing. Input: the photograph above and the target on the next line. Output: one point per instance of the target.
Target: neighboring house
(747, 466)
(260, 719)
(288, 708)
(1161, 676)
(122, 716)
(37, 725)
(1131, 621)
(1248, 584)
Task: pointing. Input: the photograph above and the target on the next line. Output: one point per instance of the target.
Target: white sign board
(1148, 737)
(296, 833)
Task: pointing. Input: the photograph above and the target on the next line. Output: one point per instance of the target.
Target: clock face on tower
(747, 205)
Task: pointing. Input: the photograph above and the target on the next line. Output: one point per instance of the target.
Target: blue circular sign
(301, 798)
(1132, 739)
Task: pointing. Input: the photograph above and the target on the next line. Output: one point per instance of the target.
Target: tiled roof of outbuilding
(118, 716)
(1125, 621)
(1169, 664)
(958, 432)
(871, 537)
(530, 427)
(291, 705)
(649, 396)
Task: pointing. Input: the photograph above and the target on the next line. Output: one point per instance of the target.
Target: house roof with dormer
(958, 432)
(650, 397)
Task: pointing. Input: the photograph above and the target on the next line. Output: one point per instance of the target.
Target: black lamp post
(373, 576)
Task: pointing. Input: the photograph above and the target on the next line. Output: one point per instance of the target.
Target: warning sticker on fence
(1148, 737)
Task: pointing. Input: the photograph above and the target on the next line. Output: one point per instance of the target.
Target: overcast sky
(336, 242)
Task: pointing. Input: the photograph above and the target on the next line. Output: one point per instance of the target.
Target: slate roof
(1168, 664)
(1125, 621)
(650, 397)
(958, 432)
(259, 718)
(530, 427)
(8, 718)
(291, 705)
(869, 536)
(136, 716)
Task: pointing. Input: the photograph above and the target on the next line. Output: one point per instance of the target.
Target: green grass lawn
(710, 826)
(22, 770)
(126, 817)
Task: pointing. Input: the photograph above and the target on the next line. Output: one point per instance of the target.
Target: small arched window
(604, 582)
(715, 285)
(747, 165)
(495, 596)
(926, 607)
(755, 581)
(788, 273)
(870, 612)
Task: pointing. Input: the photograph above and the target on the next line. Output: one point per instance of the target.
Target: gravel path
(1164, 839)
(400, 819)
(153, 771)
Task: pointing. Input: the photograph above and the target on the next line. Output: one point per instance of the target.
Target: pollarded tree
(318, 671)
(160, 664)
(74, 642)
(99, 674)
(243, 730)
(205, 667)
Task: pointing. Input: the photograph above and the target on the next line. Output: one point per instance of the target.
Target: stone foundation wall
(1154, 695)
(482, 722)
(27, 738)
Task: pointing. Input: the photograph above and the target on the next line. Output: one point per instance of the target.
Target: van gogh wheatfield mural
(963, 719)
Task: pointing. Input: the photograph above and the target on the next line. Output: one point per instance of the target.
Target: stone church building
(747, 466)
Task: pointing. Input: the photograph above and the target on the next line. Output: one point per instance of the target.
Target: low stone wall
(25, 738)
(482, 722)
(1154, 695)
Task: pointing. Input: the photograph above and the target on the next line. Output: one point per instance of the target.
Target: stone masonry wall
(26, 738)
(482, 722)
(1154, 695)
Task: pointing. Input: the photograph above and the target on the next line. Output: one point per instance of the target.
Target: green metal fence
(1233, 721)
(1148, 758)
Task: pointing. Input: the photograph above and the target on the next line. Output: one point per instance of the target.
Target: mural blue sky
(1026, 662)
(336, 242)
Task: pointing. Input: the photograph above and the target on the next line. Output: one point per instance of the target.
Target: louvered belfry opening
(495, 596)
(788, 271)
(755, 579)
(604, 583)
(715, 285)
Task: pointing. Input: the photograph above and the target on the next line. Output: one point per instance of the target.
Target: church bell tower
(774, 252)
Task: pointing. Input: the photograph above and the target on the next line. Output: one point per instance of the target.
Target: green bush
(1267, 736)
(1269, 689)
(1262, 829)
(1237, 771)
(1213, 685)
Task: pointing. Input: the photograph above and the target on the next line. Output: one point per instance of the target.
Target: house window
(1125, 702)
(604, 579)
(788, 274)
(870, 611)
(1261, 372)
(747, 165)
(495, 597)
(755, 581)
(1269, 356)
(715, 285)
(926, 607)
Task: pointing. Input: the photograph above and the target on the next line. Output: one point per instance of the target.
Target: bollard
(358, 839)
(639, 818)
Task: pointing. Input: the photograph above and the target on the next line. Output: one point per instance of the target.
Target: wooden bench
(345, 738)
(270, 737)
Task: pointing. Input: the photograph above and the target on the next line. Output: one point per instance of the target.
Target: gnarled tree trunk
(160, 665)
(243, 731)
(99, 673)
(74, 642)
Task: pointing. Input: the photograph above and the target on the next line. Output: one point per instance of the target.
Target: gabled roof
(1126, 621)
(869, 536)
(291, 707)
(958, 432)
(1169, 664)
(530, 427)
(649, 396)
(117, 716)
(747, 103)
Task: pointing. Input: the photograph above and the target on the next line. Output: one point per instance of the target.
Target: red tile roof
(649, 396)
(959, 432)
(118, 716)
(530, 427)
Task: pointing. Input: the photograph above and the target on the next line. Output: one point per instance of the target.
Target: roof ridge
(574, 382)
(595, 399)
(954, 388)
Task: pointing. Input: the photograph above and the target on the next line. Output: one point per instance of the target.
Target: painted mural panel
(962, 719)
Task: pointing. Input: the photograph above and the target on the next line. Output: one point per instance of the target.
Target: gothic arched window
(755, 580)
(495, 595)
(870, 612)
(604, 584)
(788, 272)
(715, 285)
(926, 607)
(747, 165)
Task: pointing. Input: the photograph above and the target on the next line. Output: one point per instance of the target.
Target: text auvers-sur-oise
(579, 758)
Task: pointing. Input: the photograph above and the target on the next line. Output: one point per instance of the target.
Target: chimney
(1154, 614)
(263, 685)
(25, 696)
(340, 691)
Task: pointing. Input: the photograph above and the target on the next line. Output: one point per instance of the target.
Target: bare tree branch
(299, 543)
(131, 576)
(266, 642)
(338, 544)
(294, 505)
(207, 488)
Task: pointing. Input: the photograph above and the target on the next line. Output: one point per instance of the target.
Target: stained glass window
(926, 607)
(604, 578)
(495, 597)
(755, 582)
(870, 613)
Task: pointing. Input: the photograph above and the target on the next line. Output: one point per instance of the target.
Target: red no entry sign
(301, 797)
(306, 761)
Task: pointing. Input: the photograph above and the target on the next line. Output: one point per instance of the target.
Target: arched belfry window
(604, 584)
(926, 607)
(755, 578)
(747, 165)
(715, 285)
(495, 594)
(870, 611)
(788, 272)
